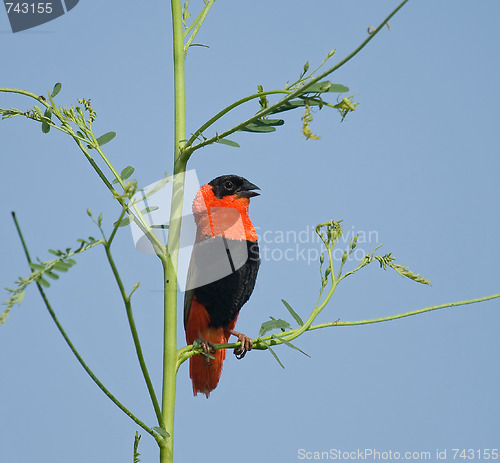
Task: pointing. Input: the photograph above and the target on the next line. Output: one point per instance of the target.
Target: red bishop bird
(221, 276)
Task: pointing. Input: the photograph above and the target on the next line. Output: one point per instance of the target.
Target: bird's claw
(208, 349)
(246, 345)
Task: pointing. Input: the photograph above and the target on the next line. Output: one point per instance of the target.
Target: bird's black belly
(224, 298)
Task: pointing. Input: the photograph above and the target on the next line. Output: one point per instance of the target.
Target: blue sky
(416, 164)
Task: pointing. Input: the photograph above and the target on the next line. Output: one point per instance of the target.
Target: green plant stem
(169, 262)
(274, 339)
(187, 153)
(197, 24)
(66, 128)
(221, 113)
(405, 314)
(75, 351)
(135, 335)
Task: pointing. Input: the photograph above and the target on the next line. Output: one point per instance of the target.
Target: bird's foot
(246, 344)
(207, 347)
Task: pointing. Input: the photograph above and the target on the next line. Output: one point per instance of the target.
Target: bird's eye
(228, 185)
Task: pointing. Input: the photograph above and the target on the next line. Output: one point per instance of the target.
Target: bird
(221, 275)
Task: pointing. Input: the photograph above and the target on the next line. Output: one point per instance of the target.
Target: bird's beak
(245, 190)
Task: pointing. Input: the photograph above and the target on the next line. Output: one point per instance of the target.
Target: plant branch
(135, 335)
(189, 150)
(197, 24)
(274, 339)
(75, 351)
(221, 113)
(66, 128)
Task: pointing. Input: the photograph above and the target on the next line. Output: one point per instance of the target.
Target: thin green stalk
(274, 339)
(187, 153)
(135, 335)
(405, 314)
(221, 113)
(198, 22)
(75, 351)
(139, 220)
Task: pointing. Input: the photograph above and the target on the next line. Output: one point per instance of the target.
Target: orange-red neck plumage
(226, 217)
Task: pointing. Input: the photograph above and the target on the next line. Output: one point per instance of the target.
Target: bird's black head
(227, 185)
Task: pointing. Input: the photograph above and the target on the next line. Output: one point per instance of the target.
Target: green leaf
(273, 122)
(293, 104)
(56, 253)
(125, 174)
(136, 447)
(326, 86)
(38, 110)
(61, 266)
(253, 127)
(149, 209)
(338, 88)
(274, 355)
(123, 222)
(319, 87)
(289, 344)
(293, 313)
(43, 282)
(52, 275)
(80, 134)
(106, 138)
(225, 141)
(57, 89)
(263, 125)
(37, 267)
(161, 431)
(273, 325)
(46, 125)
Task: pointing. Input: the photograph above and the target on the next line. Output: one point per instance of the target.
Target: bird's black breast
(224, 297)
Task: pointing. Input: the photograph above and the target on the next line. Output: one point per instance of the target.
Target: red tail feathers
(203, 371)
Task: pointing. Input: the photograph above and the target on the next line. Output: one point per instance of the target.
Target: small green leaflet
(263, 125)
(149, 209)
(293, 104)
(225, 141)
(289, 344)
(123, 222)
(106, 138)
(57, 89)
(274, 355)
(161, 431)
(273, 325)
(37, 267)
(125, 174)
(326, 86)
(52, 275)
(46, 125)
(38, 110)
(43, 282)
(338, 88)
(292, 312)
(136, 447)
